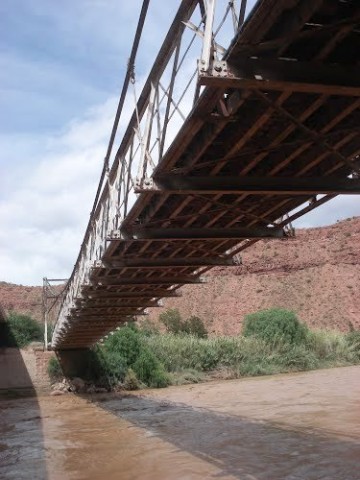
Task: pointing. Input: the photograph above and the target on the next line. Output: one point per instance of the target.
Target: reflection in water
(303, 426)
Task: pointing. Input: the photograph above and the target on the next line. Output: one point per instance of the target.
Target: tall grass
(273, 342)
(246, 356)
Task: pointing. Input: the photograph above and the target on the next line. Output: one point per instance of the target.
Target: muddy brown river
(296, 427)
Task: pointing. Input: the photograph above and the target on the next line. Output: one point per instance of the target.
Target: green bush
(298, 357)
(353, 338)
(274, 342)
(150, 371)
(24, 329)
(194, 326)
(275, 325)
(131, 381)
(54, 369)
(126, 343)
(172, 320)
(148, 328)
(113, 366)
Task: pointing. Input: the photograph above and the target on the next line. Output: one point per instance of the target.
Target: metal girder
(129, 295)
(112, 303)
(142, 233)
(284, 75)
(167, 262)
(107, 310)
(105, 318)
(115, 281)
(89, 310)
(179, 184)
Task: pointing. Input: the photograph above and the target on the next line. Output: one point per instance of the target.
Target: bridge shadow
(22, 450)
(239, 446)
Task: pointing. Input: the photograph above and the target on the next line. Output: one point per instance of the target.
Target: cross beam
(119, 262)
(115, 281)
(239, 233)
(101, 302)
(113, 310)
(179, 184)
(111, 317)
(131, 295)
(284, 75)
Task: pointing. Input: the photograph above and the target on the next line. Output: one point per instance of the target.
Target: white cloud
(341, 207)
(45, 212)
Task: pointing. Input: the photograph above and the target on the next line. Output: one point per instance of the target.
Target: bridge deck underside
(170, 236)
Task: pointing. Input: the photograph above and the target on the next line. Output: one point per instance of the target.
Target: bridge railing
(200, 33)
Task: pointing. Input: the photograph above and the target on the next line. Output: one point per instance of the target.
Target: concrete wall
(24, 369)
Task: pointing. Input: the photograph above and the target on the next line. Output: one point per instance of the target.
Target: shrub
(194, 326)
(150, 371)
(54, 369)
(298, 357)
(275, 325)
(353, 340)
(131, 381)
(353, 337)
(125, 343)
(148, 328)
(174, 323)
(113, 367)
(172, 320)
(24, 329)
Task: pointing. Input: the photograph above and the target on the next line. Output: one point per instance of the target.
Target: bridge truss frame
(147, 166)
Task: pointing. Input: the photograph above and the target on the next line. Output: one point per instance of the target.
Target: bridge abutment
(75, 362)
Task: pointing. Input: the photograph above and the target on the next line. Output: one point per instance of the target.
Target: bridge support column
(75, 362)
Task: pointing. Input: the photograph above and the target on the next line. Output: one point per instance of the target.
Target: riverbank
(304, 426)
(133, 358)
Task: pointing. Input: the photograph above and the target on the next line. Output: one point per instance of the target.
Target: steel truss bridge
(240, 128)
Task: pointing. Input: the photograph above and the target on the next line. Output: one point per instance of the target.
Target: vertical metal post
(168, 103)
(242, 12)
(207, 49)
(145, 139)
(45, 312)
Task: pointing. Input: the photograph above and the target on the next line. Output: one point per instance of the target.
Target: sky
(62, 66)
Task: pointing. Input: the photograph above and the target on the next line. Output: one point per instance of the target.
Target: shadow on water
(239, 446)
(22, 451)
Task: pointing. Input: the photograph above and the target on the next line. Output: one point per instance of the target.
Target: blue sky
(61, 71)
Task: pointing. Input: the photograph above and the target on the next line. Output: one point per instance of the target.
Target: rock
(62, 386)
(56, 393)
(57, 386)
(78, 385)
(91, 389)
(100, 390)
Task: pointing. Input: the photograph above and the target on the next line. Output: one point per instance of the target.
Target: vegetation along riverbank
(272, 341)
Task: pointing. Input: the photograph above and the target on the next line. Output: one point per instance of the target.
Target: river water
(296, 427)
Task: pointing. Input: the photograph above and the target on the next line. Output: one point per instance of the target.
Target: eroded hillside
(316, 274)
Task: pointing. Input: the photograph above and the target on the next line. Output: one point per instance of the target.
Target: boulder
(78, 385)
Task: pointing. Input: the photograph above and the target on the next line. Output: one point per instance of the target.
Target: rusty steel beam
(113, 310)
(141, 233)
(284, 75)
(179, 184)
(165, 262)
(118, 280)
(112, 303)
(132, 295)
